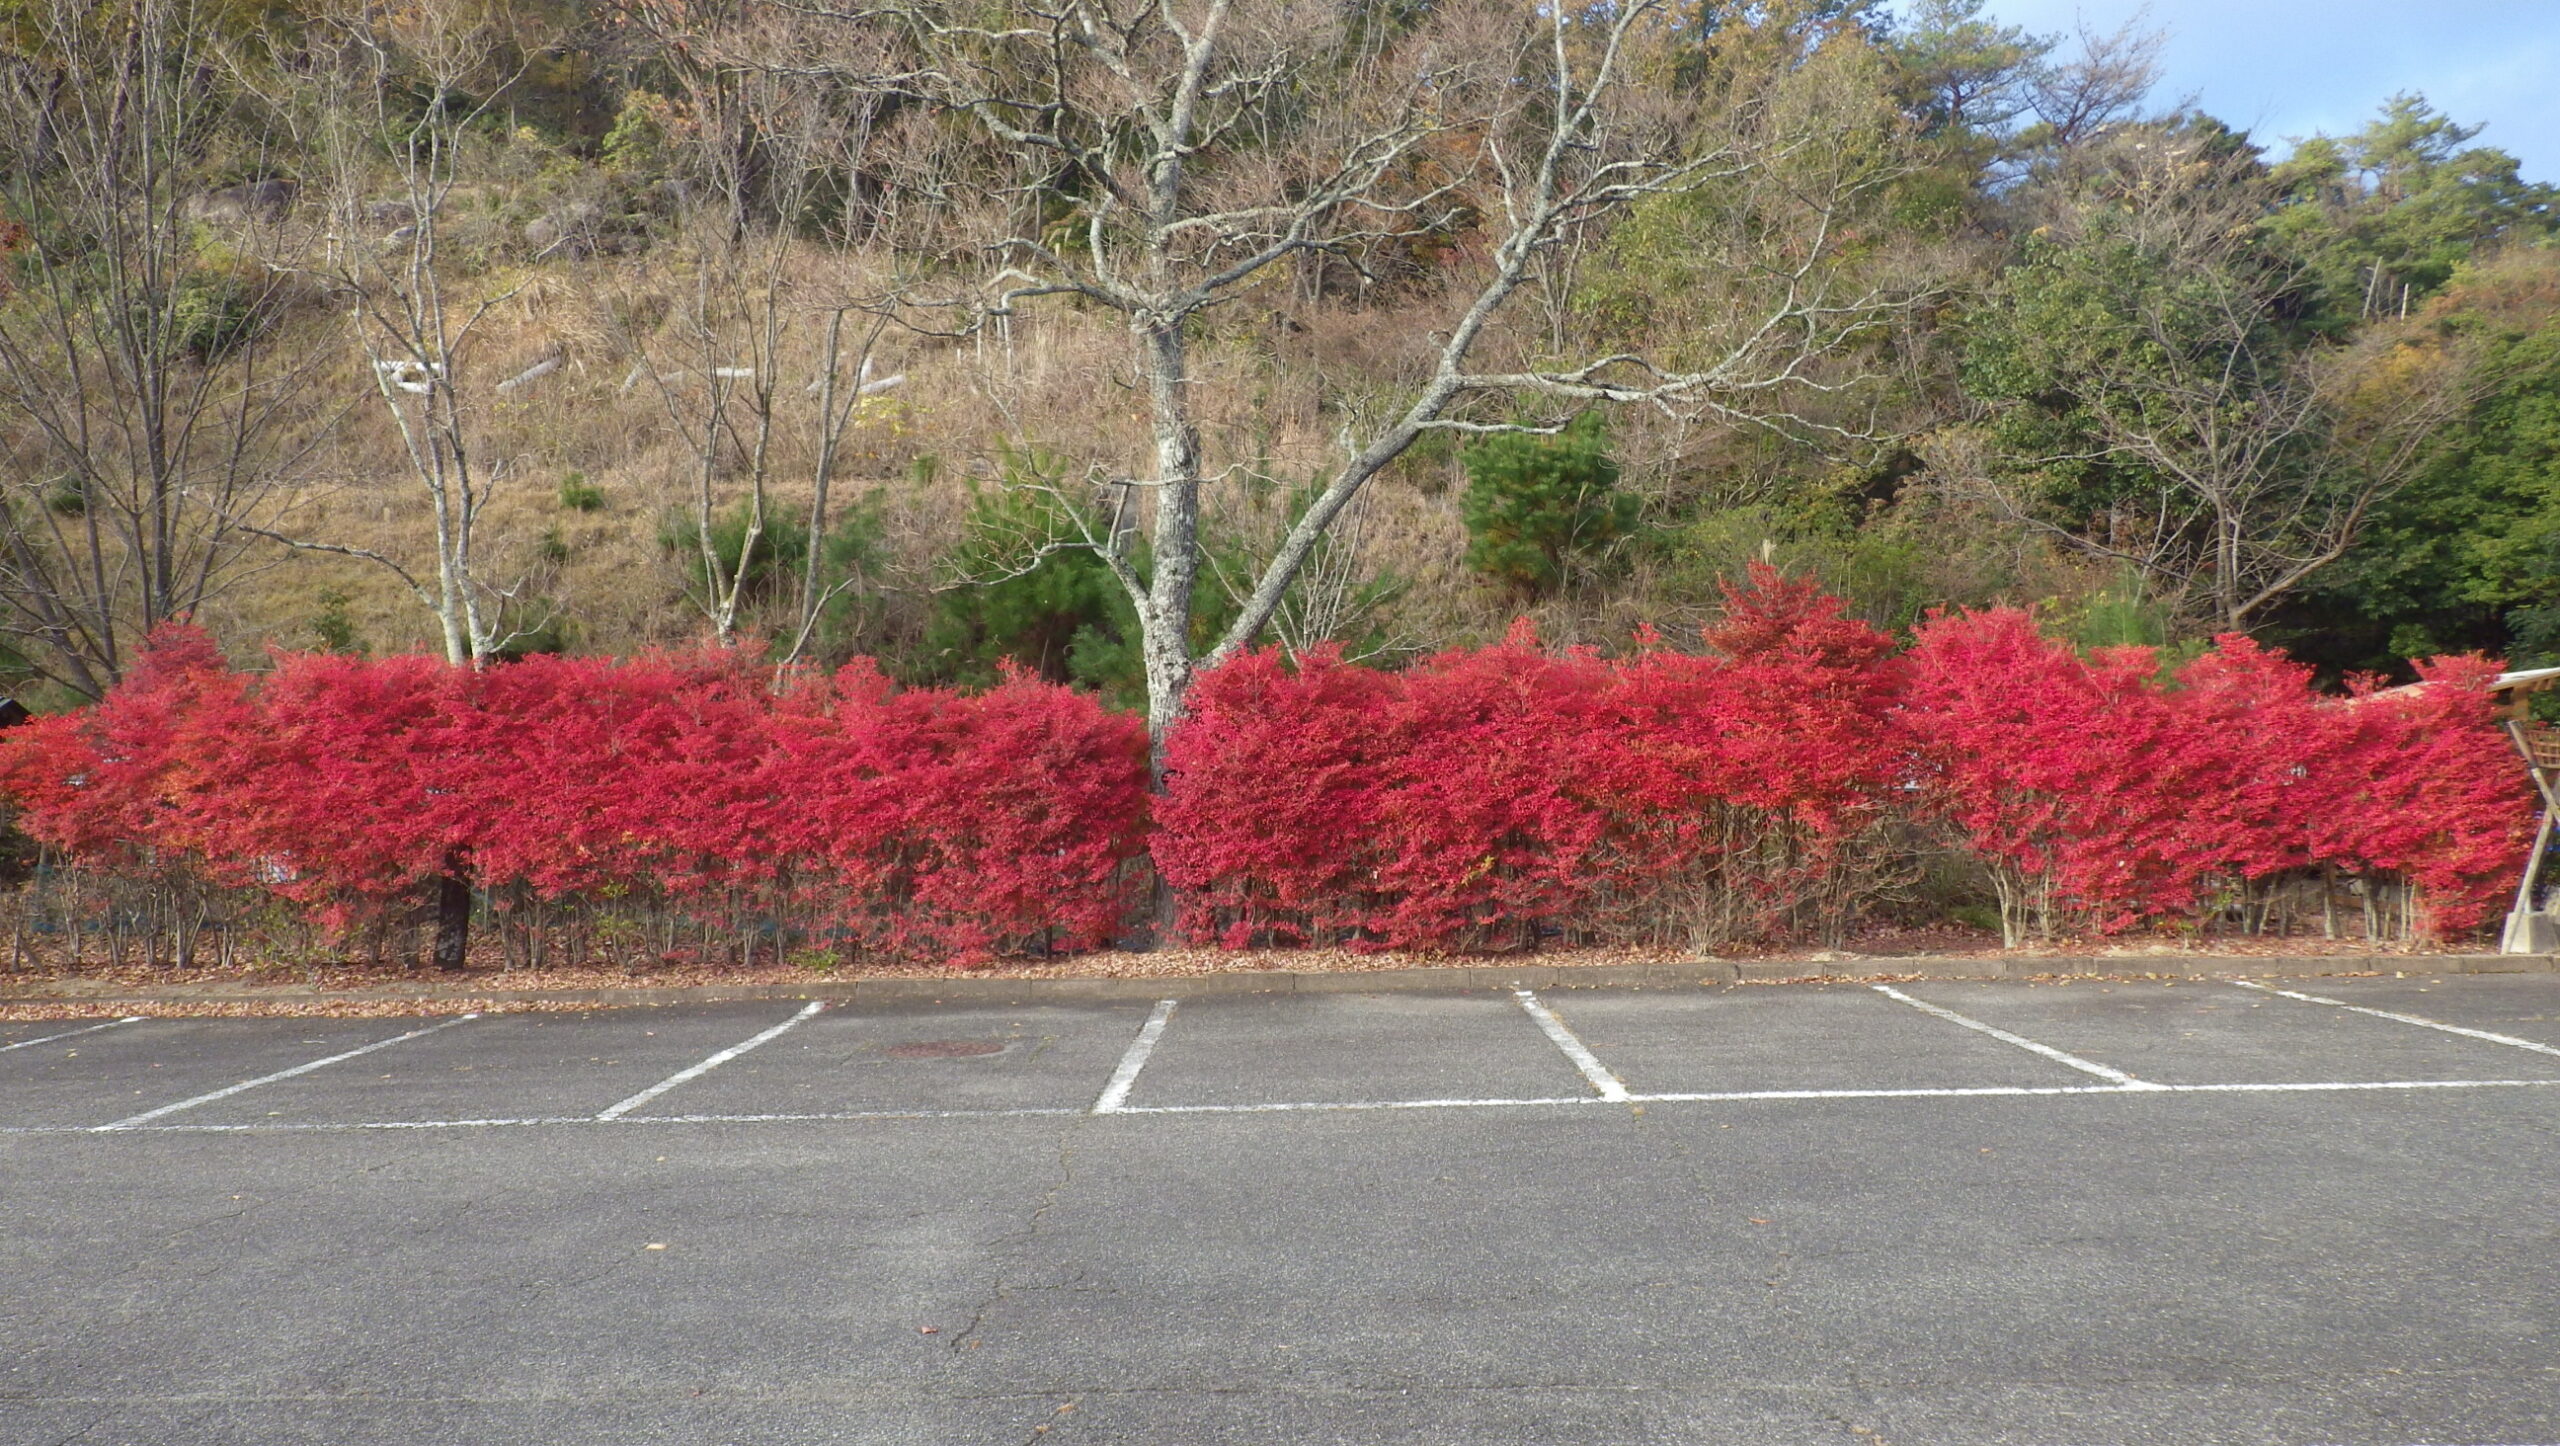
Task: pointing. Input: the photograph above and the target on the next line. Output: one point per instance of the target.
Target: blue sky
(2279, 68)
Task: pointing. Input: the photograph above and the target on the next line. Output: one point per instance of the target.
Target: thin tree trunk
(453, 916)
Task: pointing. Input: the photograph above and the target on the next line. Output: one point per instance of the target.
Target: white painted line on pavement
(283, 1074)
(1115, 1094)
(697, 1071)
(2104, 1072)
(1611, 1088)
(1007, 1112)
(1318, 1106)
(1324, 1106)
(2326, 1086)
(288, 1126)
(1917, 1092)
(2419, 1020)
(66, 1034)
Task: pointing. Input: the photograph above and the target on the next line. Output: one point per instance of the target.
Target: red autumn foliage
(925, 822)
(1736, 782)
(944, 822)
(1485, 798)
(2419, 781)
(1489, 796)
(124, 783)
(2100, 792)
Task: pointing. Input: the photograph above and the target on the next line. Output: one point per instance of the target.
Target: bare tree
(2104, 84)
(394, 98)
(1157, 161)
(399, 99)
(759, 349)
(140, 399)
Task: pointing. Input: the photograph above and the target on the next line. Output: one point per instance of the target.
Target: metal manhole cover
(946, 1048)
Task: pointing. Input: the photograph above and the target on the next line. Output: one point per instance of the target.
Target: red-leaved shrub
(926, 822)
(1488, 797)
(2101, 794)
(1773, 784)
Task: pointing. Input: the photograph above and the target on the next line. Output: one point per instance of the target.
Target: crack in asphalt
(1007, 1245)
(1064, 1406)
(83, 1431)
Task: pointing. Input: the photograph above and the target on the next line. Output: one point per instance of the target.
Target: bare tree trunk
(453, 915)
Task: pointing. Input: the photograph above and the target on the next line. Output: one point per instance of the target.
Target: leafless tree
(1156, 161)
(390, 100)
(2104, 84)
(769, 340)
(140, 399)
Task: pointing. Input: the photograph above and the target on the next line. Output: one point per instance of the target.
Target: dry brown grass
(1278, 387)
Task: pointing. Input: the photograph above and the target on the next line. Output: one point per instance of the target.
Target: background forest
(495, 330)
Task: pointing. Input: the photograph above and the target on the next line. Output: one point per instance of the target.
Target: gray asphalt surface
(1361, 1219)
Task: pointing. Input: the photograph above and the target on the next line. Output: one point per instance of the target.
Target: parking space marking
(1124, 1077)
(697, 1071)
(1611, 1088)
(2331, 1086)
(66, 1034)
(1301, 1107)
(228, 1091)
(2419, 1020)
(2085, 1066)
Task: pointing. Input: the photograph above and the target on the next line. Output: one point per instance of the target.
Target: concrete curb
(1430, 979)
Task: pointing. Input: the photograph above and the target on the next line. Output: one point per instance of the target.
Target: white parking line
(2085, 1066)
(266, 1079)
(1957, 1092)
(697, 1071)
(1611, 1088)
(1115, 1093)
(1297, 1107)
(66, 1034)
(2419, 1020)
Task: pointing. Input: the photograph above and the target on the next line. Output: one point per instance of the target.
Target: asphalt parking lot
(1932, 1213)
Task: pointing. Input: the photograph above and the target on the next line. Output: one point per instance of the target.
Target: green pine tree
(1538, 508)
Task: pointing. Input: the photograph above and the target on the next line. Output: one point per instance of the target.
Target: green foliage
(781, 544)
(1889, 568)
(579, 495)
(1687, 271)
(1025, 590)
(538, 626)
(2384, 216)
(778, 564)
(333, 626)
(2468, 555)
(1964, 73)
(2125, 614)
(637, 145)
(2116, 335)
(1540, 508)
(210, 316)
(851, 554)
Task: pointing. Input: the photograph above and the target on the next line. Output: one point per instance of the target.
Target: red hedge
(2097, 789)
(1486, 796)
(921, 822)
(1481, 799)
